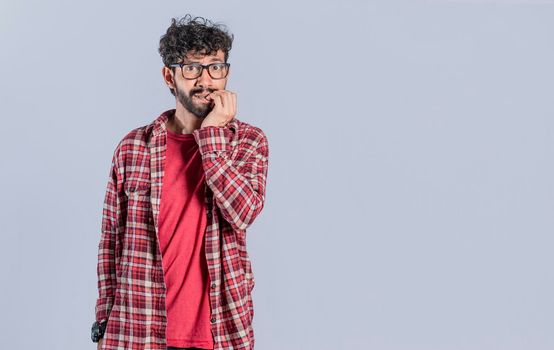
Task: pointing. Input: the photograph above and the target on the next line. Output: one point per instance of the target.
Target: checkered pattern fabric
(130, 276)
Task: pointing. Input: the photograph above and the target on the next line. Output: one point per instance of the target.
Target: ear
(167, 75)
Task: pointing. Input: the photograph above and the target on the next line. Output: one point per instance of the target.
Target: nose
(204, 79)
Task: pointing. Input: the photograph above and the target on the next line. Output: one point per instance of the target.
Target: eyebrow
(213, 59)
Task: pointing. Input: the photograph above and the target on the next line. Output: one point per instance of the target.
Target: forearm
(239, 200)
(238, 185)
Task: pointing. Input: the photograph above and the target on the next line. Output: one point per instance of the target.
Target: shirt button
(212, 320)
(213, 285)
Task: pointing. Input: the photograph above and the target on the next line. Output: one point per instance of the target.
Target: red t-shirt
(182, 223)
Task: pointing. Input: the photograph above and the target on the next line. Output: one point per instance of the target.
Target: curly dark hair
(188, 34)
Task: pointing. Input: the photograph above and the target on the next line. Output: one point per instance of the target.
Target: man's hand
(225, 108)
(100, 344)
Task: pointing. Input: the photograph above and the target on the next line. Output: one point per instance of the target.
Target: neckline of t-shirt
(175, 135)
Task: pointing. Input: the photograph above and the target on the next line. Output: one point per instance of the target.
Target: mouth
(202, 98)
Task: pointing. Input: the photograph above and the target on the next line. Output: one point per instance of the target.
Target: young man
(173, 270)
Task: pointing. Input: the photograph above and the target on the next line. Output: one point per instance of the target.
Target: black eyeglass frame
(202, 66)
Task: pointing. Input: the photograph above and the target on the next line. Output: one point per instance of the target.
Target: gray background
(410, 189)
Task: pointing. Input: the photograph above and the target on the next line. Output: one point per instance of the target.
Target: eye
(218, 66)
(190, 67)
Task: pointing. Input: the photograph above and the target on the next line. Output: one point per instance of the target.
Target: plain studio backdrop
(410, 194)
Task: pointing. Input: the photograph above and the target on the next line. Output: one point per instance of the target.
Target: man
(173, 270)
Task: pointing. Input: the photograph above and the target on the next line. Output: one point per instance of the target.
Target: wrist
(208, 125)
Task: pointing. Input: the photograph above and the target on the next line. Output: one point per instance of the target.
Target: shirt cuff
(213, 139)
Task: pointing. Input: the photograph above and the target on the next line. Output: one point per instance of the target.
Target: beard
(199, 110)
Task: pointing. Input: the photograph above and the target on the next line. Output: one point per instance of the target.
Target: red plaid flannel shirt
(130, 276)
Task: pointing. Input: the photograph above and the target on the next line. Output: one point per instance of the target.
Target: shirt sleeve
(238, 185)
(106, 268)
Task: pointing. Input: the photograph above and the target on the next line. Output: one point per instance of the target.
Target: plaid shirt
(131, 282)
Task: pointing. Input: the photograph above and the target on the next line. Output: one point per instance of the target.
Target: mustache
(194, 92)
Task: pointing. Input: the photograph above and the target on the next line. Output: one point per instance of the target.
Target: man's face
(191, 93)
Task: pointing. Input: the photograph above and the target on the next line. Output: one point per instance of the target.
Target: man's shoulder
(137, 137)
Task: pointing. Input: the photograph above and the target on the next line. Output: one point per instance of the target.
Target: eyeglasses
(191, 71)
